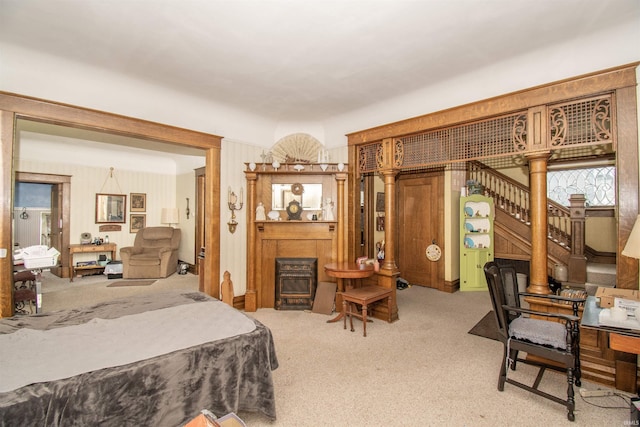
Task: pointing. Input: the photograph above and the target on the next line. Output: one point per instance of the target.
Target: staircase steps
(600, 275)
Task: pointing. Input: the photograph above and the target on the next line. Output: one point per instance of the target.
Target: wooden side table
(346, 270)
(364, 296)
(83, 249)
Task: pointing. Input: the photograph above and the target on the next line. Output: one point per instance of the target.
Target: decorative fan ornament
(296, 148)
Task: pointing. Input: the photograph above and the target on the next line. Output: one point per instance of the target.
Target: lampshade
(169, 216)
(632, 248)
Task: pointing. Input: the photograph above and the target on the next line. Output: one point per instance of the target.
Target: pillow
(537, 331)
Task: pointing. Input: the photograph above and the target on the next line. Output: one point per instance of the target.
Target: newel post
(577, 261)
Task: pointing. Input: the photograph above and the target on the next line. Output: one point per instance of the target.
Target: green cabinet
(476, 241)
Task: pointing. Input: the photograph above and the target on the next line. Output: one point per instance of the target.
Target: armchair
(551, 337)
(154, 254)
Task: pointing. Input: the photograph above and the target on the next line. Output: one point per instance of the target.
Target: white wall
(86, 181)
(40, 75)
(587, 54)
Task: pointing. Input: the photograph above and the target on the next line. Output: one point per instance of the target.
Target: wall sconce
(188, 211)
(235, 204)
(169, 216)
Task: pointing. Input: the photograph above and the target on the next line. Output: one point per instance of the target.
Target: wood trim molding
(14, 106)
(84, 118)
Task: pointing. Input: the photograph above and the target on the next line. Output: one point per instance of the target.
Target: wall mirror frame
(111, 208)
(309, 195)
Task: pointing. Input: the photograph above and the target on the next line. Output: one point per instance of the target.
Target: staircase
(587, 268)
(600, 275)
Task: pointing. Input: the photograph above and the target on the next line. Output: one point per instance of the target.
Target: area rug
(486, 327)
(131, 283)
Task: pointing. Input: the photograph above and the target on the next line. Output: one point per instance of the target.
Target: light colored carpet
(423, 370)
(131, 283)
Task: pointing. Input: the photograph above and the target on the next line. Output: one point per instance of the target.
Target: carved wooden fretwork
(398, 153)
(581, 123)
(519, 133)
(380, 156)
(558, 126)
(571, 124)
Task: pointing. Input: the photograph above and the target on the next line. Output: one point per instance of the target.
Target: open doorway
(60, 200)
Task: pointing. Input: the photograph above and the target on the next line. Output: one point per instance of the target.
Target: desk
(346, 270)
(83, 249)
(624, 340)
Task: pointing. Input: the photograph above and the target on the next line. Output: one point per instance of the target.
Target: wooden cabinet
(476, 241)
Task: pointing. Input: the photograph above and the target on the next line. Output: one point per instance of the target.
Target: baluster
(511, 200)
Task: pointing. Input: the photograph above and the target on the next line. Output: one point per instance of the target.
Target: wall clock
(294, 210)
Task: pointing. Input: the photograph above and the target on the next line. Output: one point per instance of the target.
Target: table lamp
(632, 248)
(169, 216)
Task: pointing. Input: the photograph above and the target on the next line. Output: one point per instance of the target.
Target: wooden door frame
(14, 107)
(63, 182)
(620, 81)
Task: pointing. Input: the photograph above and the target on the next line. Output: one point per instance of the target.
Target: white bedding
(99, 343)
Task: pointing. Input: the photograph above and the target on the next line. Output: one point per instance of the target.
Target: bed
(147, 360)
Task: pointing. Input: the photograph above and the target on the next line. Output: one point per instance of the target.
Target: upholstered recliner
(154, 254)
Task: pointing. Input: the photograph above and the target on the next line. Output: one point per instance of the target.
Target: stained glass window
(598, 184)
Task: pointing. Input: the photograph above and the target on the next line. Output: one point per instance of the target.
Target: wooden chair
(364, 296)
(24, 291)
(554, 340)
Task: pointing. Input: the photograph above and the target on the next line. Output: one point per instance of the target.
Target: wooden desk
(624, 340)
(83, 249)
(364, 296)
(346, 270)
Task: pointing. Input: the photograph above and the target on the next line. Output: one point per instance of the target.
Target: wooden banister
(565, 225)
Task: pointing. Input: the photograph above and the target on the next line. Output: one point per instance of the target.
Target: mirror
(282, 194)
(111, 208)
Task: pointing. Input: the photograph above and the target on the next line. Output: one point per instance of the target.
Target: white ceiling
(300, 60)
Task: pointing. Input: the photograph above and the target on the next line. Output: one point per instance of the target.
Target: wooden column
(389, 177)
(212, 223)
(340, 178)
(388, 274)
(251, 294)
(538, 283)
(7, 124)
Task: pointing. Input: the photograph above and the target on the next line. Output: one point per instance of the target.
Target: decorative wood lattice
(577, 123)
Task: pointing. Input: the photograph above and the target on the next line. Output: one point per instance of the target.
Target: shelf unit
(476, 240)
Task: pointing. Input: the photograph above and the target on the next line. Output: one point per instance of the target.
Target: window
(598, 184)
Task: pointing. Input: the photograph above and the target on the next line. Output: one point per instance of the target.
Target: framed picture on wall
(379, 202)
(138, 202)
(137, 222)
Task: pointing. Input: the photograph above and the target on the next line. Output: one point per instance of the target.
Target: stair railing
(514, 198)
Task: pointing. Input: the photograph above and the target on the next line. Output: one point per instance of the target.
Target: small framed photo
(138, 202)
(137, 222)
(379, 202)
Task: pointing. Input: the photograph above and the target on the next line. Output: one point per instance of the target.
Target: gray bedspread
(232, 374)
